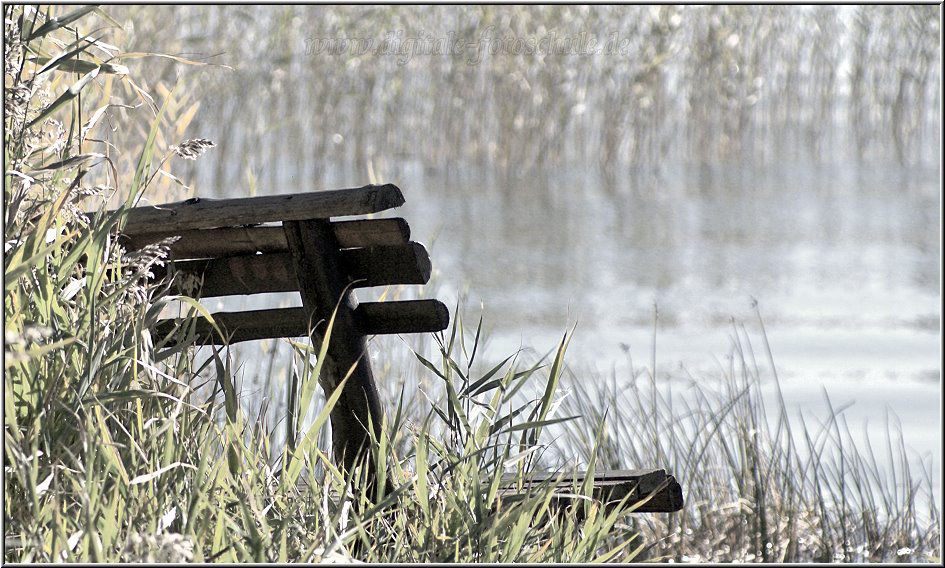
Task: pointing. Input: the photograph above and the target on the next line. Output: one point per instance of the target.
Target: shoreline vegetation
(120, 445)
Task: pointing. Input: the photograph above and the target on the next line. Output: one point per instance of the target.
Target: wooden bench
(649, 490)
(296, 243)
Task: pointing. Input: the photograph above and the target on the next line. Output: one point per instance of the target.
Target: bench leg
(322, 287)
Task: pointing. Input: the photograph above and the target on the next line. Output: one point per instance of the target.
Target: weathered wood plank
(235, 275)
(243, 326)
(661, 491)
(201, 213)
(214, 243)
(236, 241)
(275, 272)
(371, 232)
(382, 265)
(372, 318)
(407, 316)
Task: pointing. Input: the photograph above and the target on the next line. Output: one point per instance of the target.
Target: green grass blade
(54, 24)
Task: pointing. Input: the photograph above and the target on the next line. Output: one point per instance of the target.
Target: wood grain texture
(237, 241)
(202, 213)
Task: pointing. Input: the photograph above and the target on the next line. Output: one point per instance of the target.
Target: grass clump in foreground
(120, 445)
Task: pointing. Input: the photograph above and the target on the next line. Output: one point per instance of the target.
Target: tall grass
(121, 445)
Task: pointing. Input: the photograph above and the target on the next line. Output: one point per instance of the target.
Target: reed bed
(762, 85)
(120, 445)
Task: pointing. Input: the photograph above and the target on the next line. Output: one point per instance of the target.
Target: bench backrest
(224, 250)
(296, 243)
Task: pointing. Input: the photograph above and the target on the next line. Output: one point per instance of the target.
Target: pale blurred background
(782, 153)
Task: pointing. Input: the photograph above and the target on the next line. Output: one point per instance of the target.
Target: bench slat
(235, 241)
(382, 265)
(371, 232)
(236, 275)
(612, 486)
(200, 213)
(405, 316)
(275, 272)
(372, 318)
